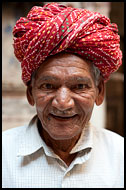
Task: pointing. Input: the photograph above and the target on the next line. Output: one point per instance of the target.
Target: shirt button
(68, 174)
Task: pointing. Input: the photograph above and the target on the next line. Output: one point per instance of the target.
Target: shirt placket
(82, 157)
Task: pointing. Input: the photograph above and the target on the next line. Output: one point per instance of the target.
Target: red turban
(53, 28)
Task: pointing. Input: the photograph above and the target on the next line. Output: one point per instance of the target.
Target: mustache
(64, 113)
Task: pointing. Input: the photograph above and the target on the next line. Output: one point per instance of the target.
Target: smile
(63, 118)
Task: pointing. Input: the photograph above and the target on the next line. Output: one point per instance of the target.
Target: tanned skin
(64, 93)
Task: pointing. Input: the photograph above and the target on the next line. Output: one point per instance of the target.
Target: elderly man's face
(64, 93)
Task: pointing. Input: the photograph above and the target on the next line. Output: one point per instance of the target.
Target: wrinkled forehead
(66, 61)
(64, 66)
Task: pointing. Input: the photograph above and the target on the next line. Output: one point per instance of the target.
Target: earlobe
(100, 95)
(29, 95)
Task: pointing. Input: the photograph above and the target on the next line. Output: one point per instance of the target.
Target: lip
(63, 118)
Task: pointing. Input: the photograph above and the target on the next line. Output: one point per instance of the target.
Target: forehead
(64, 65)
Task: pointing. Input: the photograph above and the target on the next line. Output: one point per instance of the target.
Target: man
(66, 56)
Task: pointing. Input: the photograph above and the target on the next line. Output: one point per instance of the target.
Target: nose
(63, 100)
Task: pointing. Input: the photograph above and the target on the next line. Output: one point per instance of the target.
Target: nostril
(63, 99)
(63, 104)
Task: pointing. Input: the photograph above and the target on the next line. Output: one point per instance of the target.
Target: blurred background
(15, 109)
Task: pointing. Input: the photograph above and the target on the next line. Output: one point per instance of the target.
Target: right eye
(47, 86)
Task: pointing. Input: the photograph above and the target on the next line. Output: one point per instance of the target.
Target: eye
(80, 86)
(47, 86)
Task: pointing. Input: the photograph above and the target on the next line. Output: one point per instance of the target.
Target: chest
(48, 172)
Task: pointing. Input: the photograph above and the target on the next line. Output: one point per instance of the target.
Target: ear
(100, 94)
(30, 95)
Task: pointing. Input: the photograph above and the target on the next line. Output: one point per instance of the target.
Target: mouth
(63, 118)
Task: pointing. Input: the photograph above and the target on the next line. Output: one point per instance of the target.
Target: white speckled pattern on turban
(53, 28)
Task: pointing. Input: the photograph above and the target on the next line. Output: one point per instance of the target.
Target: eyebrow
(47, 78)
(72, 79)
(80, 79)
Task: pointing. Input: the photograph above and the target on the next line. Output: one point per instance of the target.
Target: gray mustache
(65, 113)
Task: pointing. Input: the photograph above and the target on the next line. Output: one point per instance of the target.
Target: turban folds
(53, 28)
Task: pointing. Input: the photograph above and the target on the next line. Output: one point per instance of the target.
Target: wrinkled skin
(64, 93)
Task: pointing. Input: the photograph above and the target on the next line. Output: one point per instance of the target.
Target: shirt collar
(30, 140)
(85, 141)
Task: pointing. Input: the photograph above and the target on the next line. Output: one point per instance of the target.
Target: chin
(64, 133)
(62, 137)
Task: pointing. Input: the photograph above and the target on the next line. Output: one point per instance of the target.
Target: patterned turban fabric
(54, 28)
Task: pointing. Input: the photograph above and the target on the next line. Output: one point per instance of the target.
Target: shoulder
(111, 140)
(13, 132)
(10, 138)
(107, 135)
(112, 137)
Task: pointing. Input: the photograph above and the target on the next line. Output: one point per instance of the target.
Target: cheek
(87, 101)
(42, 101)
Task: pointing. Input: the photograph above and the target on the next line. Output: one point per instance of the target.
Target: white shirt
(29, 163)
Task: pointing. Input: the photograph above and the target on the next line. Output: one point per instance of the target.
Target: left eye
(80, 86)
